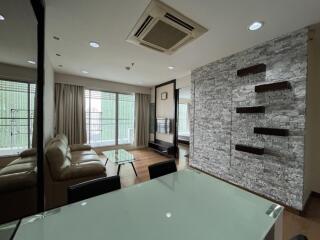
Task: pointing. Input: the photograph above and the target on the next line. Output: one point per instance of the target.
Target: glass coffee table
(120, 157)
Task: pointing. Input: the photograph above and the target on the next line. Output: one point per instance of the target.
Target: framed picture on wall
(164, 95)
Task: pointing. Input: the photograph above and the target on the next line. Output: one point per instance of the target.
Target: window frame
(116, 117)
(29, 145)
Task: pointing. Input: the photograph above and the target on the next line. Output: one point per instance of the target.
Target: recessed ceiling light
(31, 62)
(94, 44)
(255, 26)
(171, 67)
(1, 17)
(84, 71)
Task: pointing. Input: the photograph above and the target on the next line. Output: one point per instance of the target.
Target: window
(183, 123)
(16, 116)
(125, 118)
(109, 117)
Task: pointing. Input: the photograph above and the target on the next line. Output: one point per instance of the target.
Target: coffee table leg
(119, 169)
(134, 169)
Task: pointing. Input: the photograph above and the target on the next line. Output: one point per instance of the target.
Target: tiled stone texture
(216, 127)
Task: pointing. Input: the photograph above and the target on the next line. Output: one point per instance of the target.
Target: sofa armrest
(28, 153)
(79, 147)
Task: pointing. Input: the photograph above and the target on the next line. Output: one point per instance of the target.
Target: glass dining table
(185, 205)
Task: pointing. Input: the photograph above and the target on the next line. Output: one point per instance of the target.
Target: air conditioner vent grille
(164, 35)
(151, 47)
(179, 21)
(163, 28)
(143, 26)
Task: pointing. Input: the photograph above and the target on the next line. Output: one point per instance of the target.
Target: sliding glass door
(109, 118)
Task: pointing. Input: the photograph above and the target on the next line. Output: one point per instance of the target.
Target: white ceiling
(110, 21)
(18, 33)
(77, 22)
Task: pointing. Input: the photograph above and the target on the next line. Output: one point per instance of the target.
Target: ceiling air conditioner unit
(164, 29)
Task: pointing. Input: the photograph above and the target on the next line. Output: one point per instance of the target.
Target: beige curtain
(142, 103)
(70, 112)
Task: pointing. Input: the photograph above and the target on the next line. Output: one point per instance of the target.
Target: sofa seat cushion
(24, 160)
(85, 158)
(17, 168)
(82, 153)
(18, 175)
(83, 169)
(17, 181)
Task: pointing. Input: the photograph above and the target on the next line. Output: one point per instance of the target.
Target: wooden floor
(293, 224)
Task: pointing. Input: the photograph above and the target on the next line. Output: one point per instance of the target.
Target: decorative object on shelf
(252, 70)
(276, 86)
(164, 95)
(249, 149)
(254, 109)
(271, 131)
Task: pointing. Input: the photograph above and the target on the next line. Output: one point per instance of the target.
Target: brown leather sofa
(18, 191)
(68, 165)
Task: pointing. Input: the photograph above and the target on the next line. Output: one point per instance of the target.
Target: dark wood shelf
(249, 149)
(252, 70)
(273, 87)
(254, 109)
(271, 131)
(162, 147)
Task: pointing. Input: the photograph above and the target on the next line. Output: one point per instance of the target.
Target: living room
(111, 103)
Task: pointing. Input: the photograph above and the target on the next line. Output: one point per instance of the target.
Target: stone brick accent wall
(216, 127)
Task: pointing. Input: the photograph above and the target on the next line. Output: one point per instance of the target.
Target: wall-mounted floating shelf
(273, 87)
(271, 131)
(252, 70)
(255, 109)
(249, 149)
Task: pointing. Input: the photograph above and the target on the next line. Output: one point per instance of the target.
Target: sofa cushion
(77, 154)
(62, 138)
(17, 168)
(83, 169)
(31, 159)
(17, 181)
(56, 154)
(18, 175)
(79, 158)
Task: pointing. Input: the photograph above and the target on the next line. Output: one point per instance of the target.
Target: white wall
(165, 109)
(17, 73)
(48, 120)
(97, 84)
(184, 81)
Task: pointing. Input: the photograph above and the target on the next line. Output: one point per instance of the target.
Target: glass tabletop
(185, 205)
(119, 156)
(7, 230)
